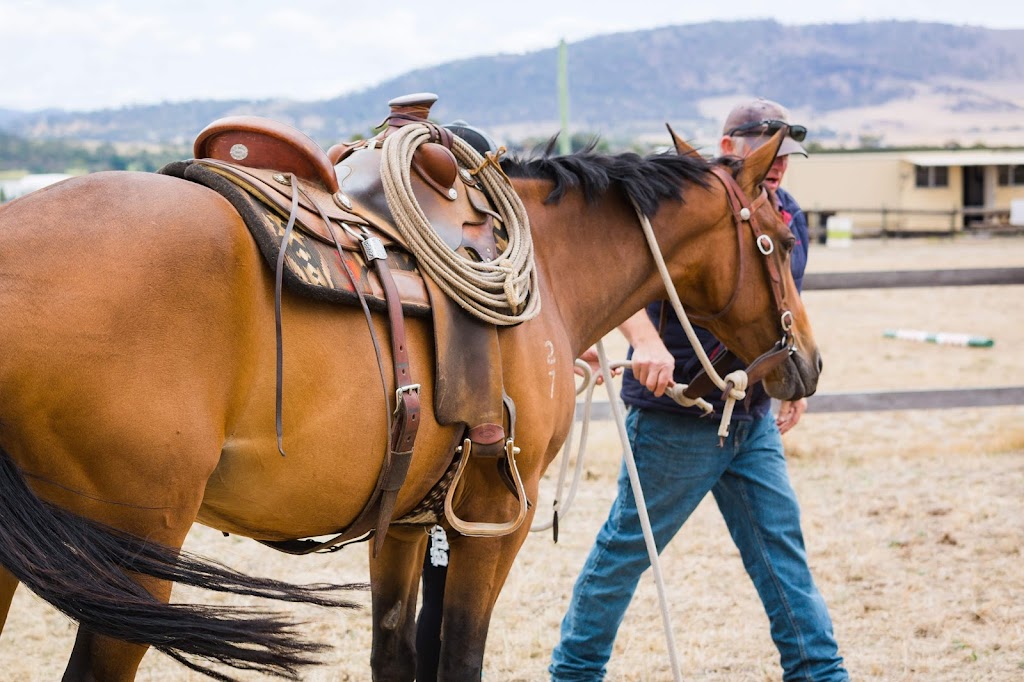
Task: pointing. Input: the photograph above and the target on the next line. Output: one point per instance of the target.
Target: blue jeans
(679, 461)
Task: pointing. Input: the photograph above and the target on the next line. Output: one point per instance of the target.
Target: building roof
(979, 157)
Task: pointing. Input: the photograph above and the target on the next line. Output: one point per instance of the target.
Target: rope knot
(677, 393)
(514, 296)
(492, 159)
(739, 380)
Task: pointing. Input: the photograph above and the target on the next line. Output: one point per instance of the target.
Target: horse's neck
(597, 264)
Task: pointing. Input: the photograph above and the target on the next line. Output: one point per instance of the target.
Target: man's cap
(758, 110)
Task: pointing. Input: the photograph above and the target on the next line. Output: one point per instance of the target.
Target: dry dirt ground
(913, 519)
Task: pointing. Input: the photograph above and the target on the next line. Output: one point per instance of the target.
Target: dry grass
(913, 519)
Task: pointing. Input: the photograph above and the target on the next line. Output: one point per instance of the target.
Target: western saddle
(322, 221)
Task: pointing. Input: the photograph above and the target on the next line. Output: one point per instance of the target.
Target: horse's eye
(788, 243)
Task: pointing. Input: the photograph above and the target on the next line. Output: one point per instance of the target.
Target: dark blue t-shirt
(687, 362)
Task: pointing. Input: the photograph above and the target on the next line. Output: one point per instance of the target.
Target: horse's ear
(682, 147)
(757, 164)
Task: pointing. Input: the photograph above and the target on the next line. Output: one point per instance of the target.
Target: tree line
(67, 156)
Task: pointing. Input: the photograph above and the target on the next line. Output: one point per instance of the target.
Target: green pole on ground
(943, 338)
(564, 141)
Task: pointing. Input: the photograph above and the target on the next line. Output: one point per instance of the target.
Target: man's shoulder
(788, 201)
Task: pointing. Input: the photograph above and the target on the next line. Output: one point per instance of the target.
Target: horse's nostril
(820, 364)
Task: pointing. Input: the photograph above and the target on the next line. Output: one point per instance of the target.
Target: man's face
(744, 146)
(775, 173)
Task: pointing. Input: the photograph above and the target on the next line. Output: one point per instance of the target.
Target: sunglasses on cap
(759, 128)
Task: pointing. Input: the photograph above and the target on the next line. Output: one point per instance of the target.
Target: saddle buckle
(408, 388)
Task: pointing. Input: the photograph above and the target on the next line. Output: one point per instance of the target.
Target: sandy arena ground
(913, 519)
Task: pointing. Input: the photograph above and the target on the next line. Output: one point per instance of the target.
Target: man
(679, 461)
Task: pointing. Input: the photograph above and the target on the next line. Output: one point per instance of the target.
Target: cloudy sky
(78, 54)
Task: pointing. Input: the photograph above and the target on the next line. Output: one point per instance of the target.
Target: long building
(894, 192)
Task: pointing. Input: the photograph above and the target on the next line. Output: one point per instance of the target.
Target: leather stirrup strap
(402, 426)
(406, 420)
(278, 287)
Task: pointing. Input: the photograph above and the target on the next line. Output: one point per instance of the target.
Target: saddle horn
(433, 160)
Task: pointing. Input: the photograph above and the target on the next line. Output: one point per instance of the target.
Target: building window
(1010, 176)
(932, 176)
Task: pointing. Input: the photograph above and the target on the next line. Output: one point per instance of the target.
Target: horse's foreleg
(8, 584)
(394, 577)
(477, 569)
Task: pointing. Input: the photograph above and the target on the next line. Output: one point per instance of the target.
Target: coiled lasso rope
(502, 291)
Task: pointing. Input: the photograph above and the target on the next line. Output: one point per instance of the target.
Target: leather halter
(786, 346)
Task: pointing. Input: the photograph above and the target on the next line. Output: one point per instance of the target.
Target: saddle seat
(264, 155)
(257, 142)
(263, 158)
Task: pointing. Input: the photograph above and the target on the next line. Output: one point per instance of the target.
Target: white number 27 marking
(551, 361)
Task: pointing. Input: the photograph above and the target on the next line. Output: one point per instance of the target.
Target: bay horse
(137, 397)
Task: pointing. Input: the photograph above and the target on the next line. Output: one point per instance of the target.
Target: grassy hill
(883, 82)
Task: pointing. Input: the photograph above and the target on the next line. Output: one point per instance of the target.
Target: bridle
(734, 384)
(773, 263)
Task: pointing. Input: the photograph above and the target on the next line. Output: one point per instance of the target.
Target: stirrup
(483, 529)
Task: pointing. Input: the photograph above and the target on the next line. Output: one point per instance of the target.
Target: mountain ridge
(874, 83)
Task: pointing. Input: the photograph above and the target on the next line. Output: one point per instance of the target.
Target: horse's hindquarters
(127, 300)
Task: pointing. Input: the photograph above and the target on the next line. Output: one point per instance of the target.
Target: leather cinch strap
(403, 422)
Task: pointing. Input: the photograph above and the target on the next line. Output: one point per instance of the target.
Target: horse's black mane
(647, 180)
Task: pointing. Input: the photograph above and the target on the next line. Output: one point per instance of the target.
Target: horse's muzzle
(796, 378)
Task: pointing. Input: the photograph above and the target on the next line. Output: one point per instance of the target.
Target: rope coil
(503, 291)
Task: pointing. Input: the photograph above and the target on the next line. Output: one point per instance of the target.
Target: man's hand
(653, 365)
(591, 357)
(790, 413)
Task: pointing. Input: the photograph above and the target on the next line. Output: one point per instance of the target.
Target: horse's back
(119, 255)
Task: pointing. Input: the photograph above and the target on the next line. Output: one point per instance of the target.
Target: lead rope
(561, 509)
(502, 291)
(641, 507)
(734, 385)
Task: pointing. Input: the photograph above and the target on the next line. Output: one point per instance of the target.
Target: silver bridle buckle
(765, 244)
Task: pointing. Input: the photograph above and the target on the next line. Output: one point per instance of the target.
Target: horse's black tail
(84, 568)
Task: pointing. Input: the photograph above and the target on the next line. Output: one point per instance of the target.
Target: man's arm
(652, 363)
